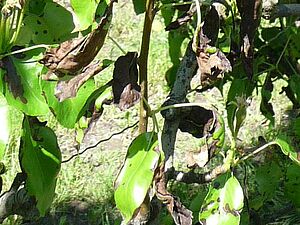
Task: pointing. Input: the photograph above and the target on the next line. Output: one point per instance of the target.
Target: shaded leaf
(68, 89)
(292, 183)
(139, 6)
(223, 203)
(285, 145)
(250, 11)
(136, 175)
(29, 71)
(266, 107)
(73, 55)
(126, 90)
(40, 159)
(180, 214)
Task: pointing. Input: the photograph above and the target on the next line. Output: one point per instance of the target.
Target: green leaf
(296, 127)
(40, 159)
(223, 203)
(33, 102)
(273, 173)
(85, 13)
(284, 143)
(71, 110)
(139, 6)
(5, 121)
(292, 184)
(136, 175)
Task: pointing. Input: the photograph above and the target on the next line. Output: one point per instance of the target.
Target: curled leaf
(68, 89)
(250, 11)
(75, 54)
(126, 90)
(180, 214)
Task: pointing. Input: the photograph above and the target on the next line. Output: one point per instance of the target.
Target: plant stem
(143, 64)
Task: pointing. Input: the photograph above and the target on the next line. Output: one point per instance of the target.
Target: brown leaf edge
(126, 90)
(180, 214)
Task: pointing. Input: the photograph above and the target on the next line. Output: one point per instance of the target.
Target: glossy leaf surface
(40, 159)
(136, 175)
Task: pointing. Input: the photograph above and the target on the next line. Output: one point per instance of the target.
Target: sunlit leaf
(5, 122)
(32, 101)
(285, 145)
(40, 159)
(223, 203)
(136, 175)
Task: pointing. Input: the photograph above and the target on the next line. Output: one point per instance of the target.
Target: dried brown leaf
(73, 55)
(68, 89)
(126, 90)
(250, 11)
(180, 214)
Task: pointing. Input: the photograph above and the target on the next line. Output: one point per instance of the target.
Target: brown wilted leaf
(73, 55)
(68, 89)
(126, 90)
(250, 11)
(180, 214)
(185, 18)
(12, 78)
(194, 120)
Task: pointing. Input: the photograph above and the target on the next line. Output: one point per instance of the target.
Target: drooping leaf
(40, 159)
(85, 13)
(286, 147)
(223, 203)
(32, 101)
(136, 175)
(68, 89)
(180, 214)
(69, 111)
(5, 121)
(292, 183)
(75, 54)
(126, 90)
(250, 11)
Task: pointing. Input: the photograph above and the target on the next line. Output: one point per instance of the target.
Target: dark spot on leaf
(38, 22)
(45, 31)
(216, 184)
(36, 33)
(58, 39)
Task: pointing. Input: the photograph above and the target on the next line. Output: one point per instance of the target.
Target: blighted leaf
(136, 175)
(183, 19)
(5, 121)
(40, 159)
(71, 110)
(210, 144)
(32, 101)
(126, 90)
(73, 55)
(68, 89)
(12, 78)
(180, 214)
(250, 11)
(286, 147)
(292, 183)
(211, 25)
(223, 203)
(196, 120)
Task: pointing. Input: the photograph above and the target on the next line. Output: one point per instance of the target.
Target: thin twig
(99, 142)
